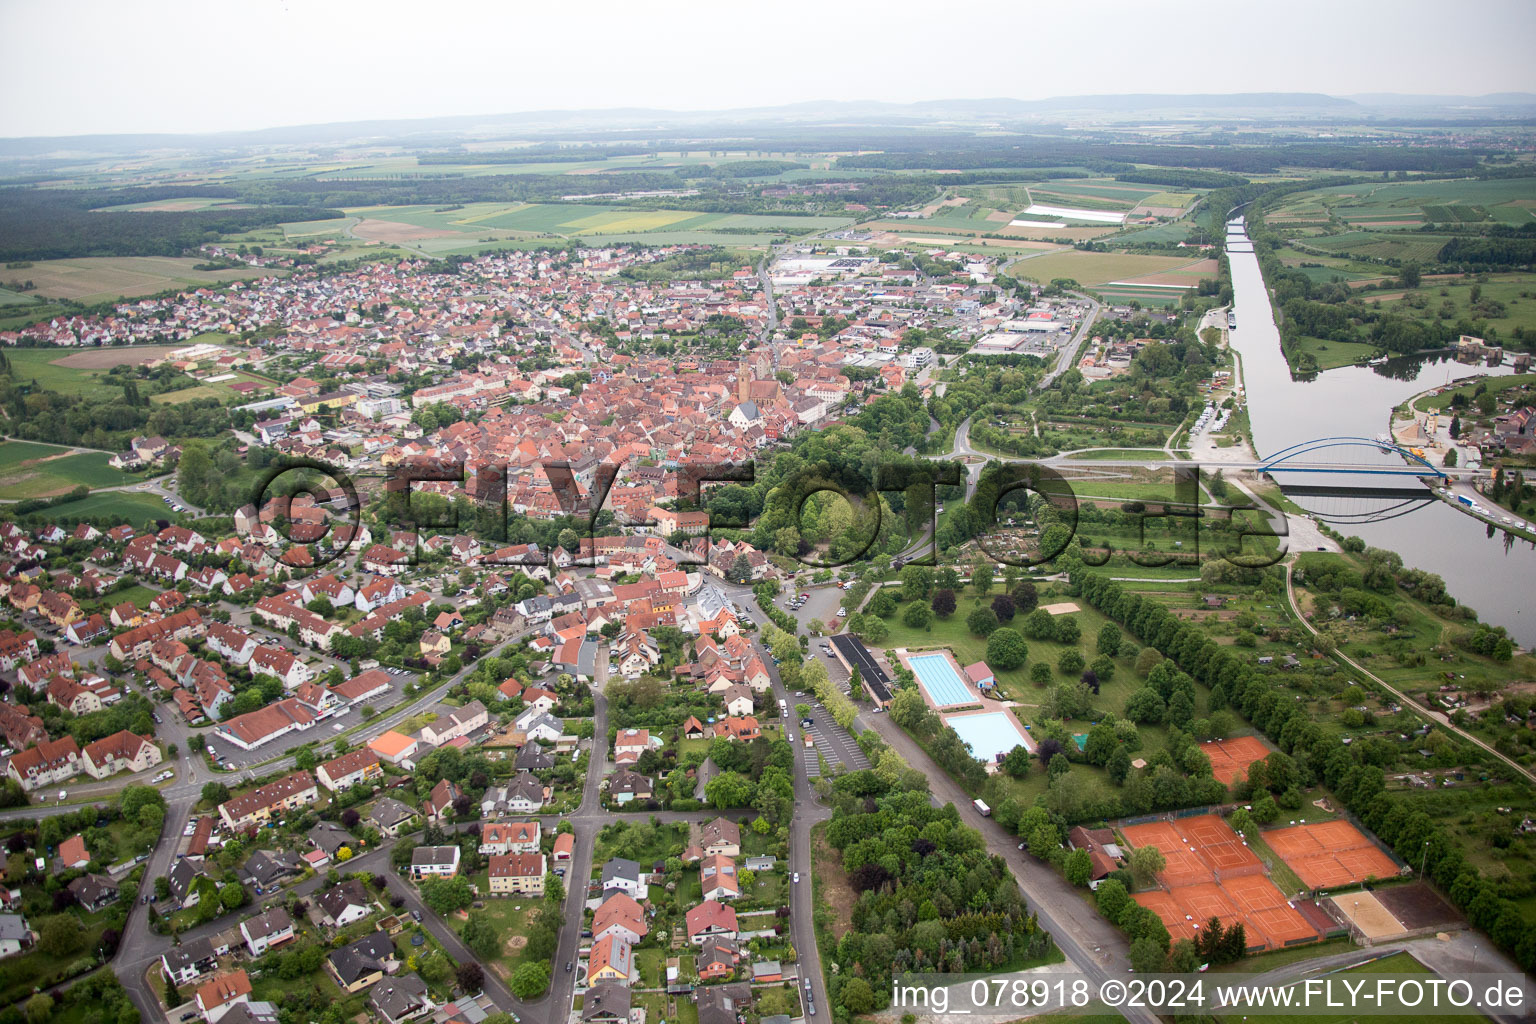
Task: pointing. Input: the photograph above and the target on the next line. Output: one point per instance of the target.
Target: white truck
(982, 808)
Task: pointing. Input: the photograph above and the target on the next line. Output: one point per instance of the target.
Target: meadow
(103, 278)
(1411, 204)
(29, 470)
(476, 227)
(1091, 269)
(52, 370)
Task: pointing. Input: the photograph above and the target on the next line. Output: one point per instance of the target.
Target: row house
(261, 805)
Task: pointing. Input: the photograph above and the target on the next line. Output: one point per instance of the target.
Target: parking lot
(831, 741)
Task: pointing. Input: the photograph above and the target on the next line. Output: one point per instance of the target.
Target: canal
(1482, 566)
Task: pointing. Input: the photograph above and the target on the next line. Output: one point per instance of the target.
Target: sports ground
(1211, 872)
(1330, 854)
(1230, 758)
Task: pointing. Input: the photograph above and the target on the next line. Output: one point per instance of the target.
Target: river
(1482, 567)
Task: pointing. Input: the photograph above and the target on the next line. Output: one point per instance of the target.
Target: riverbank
(1488, 573)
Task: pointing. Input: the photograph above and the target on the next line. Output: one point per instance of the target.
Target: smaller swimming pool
(988, 734)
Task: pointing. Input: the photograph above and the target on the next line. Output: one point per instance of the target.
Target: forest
(928, 898)
(45, 224)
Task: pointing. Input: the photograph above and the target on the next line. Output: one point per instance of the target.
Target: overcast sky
(84, 66)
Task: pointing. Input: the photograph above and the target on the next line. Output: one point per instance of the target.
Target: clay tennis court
(1184, 866)
(1210, 873)
(1230, 758)
(1367, 913)
(1252, 900)
(1218, 846)
(1328, 854)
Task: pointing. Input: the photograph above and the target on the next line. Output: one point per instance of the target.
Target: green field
(49, 366)
(1410, 204)
(1382, 245)
(1397, 963)
(1091, 269)
(1504, 302)
(181, 205)
(1440, 402)
(1333, 354)
(478, 226)
(99, 279)
(38, 471)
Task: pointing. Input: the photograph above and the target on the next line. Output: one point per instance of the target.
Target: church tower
(743, 383)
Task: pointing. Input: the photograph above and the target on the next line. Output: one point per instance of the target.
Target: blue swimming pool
(939, 680)
(988, 734)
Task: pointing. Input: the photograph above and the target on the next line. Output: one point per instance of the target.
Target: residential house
(439, 805)
(350, 769)
(271, 928)
(344, 903)
(620, 915)
(362, 963)
(612, 958)
(123, 751)
(390, 816)
(510, 837)
(625, 786)
(73, 854)
(94, 891)
(606, 1002)
(711, 919)
(188, 961)
(517, 874)
(453, 722)
(717, 877)
(621, 875)
(217, 997)
(48, 763)
(434, 862)
(262, 805)
(401, 999)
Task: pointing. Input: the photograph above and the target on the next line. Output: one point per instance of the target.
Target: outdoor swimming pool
(939, 680)
(988, 734)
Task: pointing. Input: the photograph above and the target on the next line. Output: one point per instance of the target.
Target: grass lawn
(58, 473)
(968, 648)
(1494, 385)
(1399, 963)
(112, 508)
(1258, 963)
(511, 916)
(1332, 354)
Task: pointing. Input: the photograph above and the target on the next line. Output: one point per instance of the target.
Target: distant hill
(945, 114)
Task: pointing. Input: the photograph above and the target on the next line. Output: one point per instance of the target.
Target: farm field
(1411, 204)
(474, 226)
(1091, 269)
(1382, 245)
(10, 298)
(38, 471)
(100, 279)
(182, 205)
(1505, 301)
(80, 373)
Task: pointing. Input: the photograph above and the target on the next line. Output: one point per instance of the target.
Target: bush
(917, 616)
